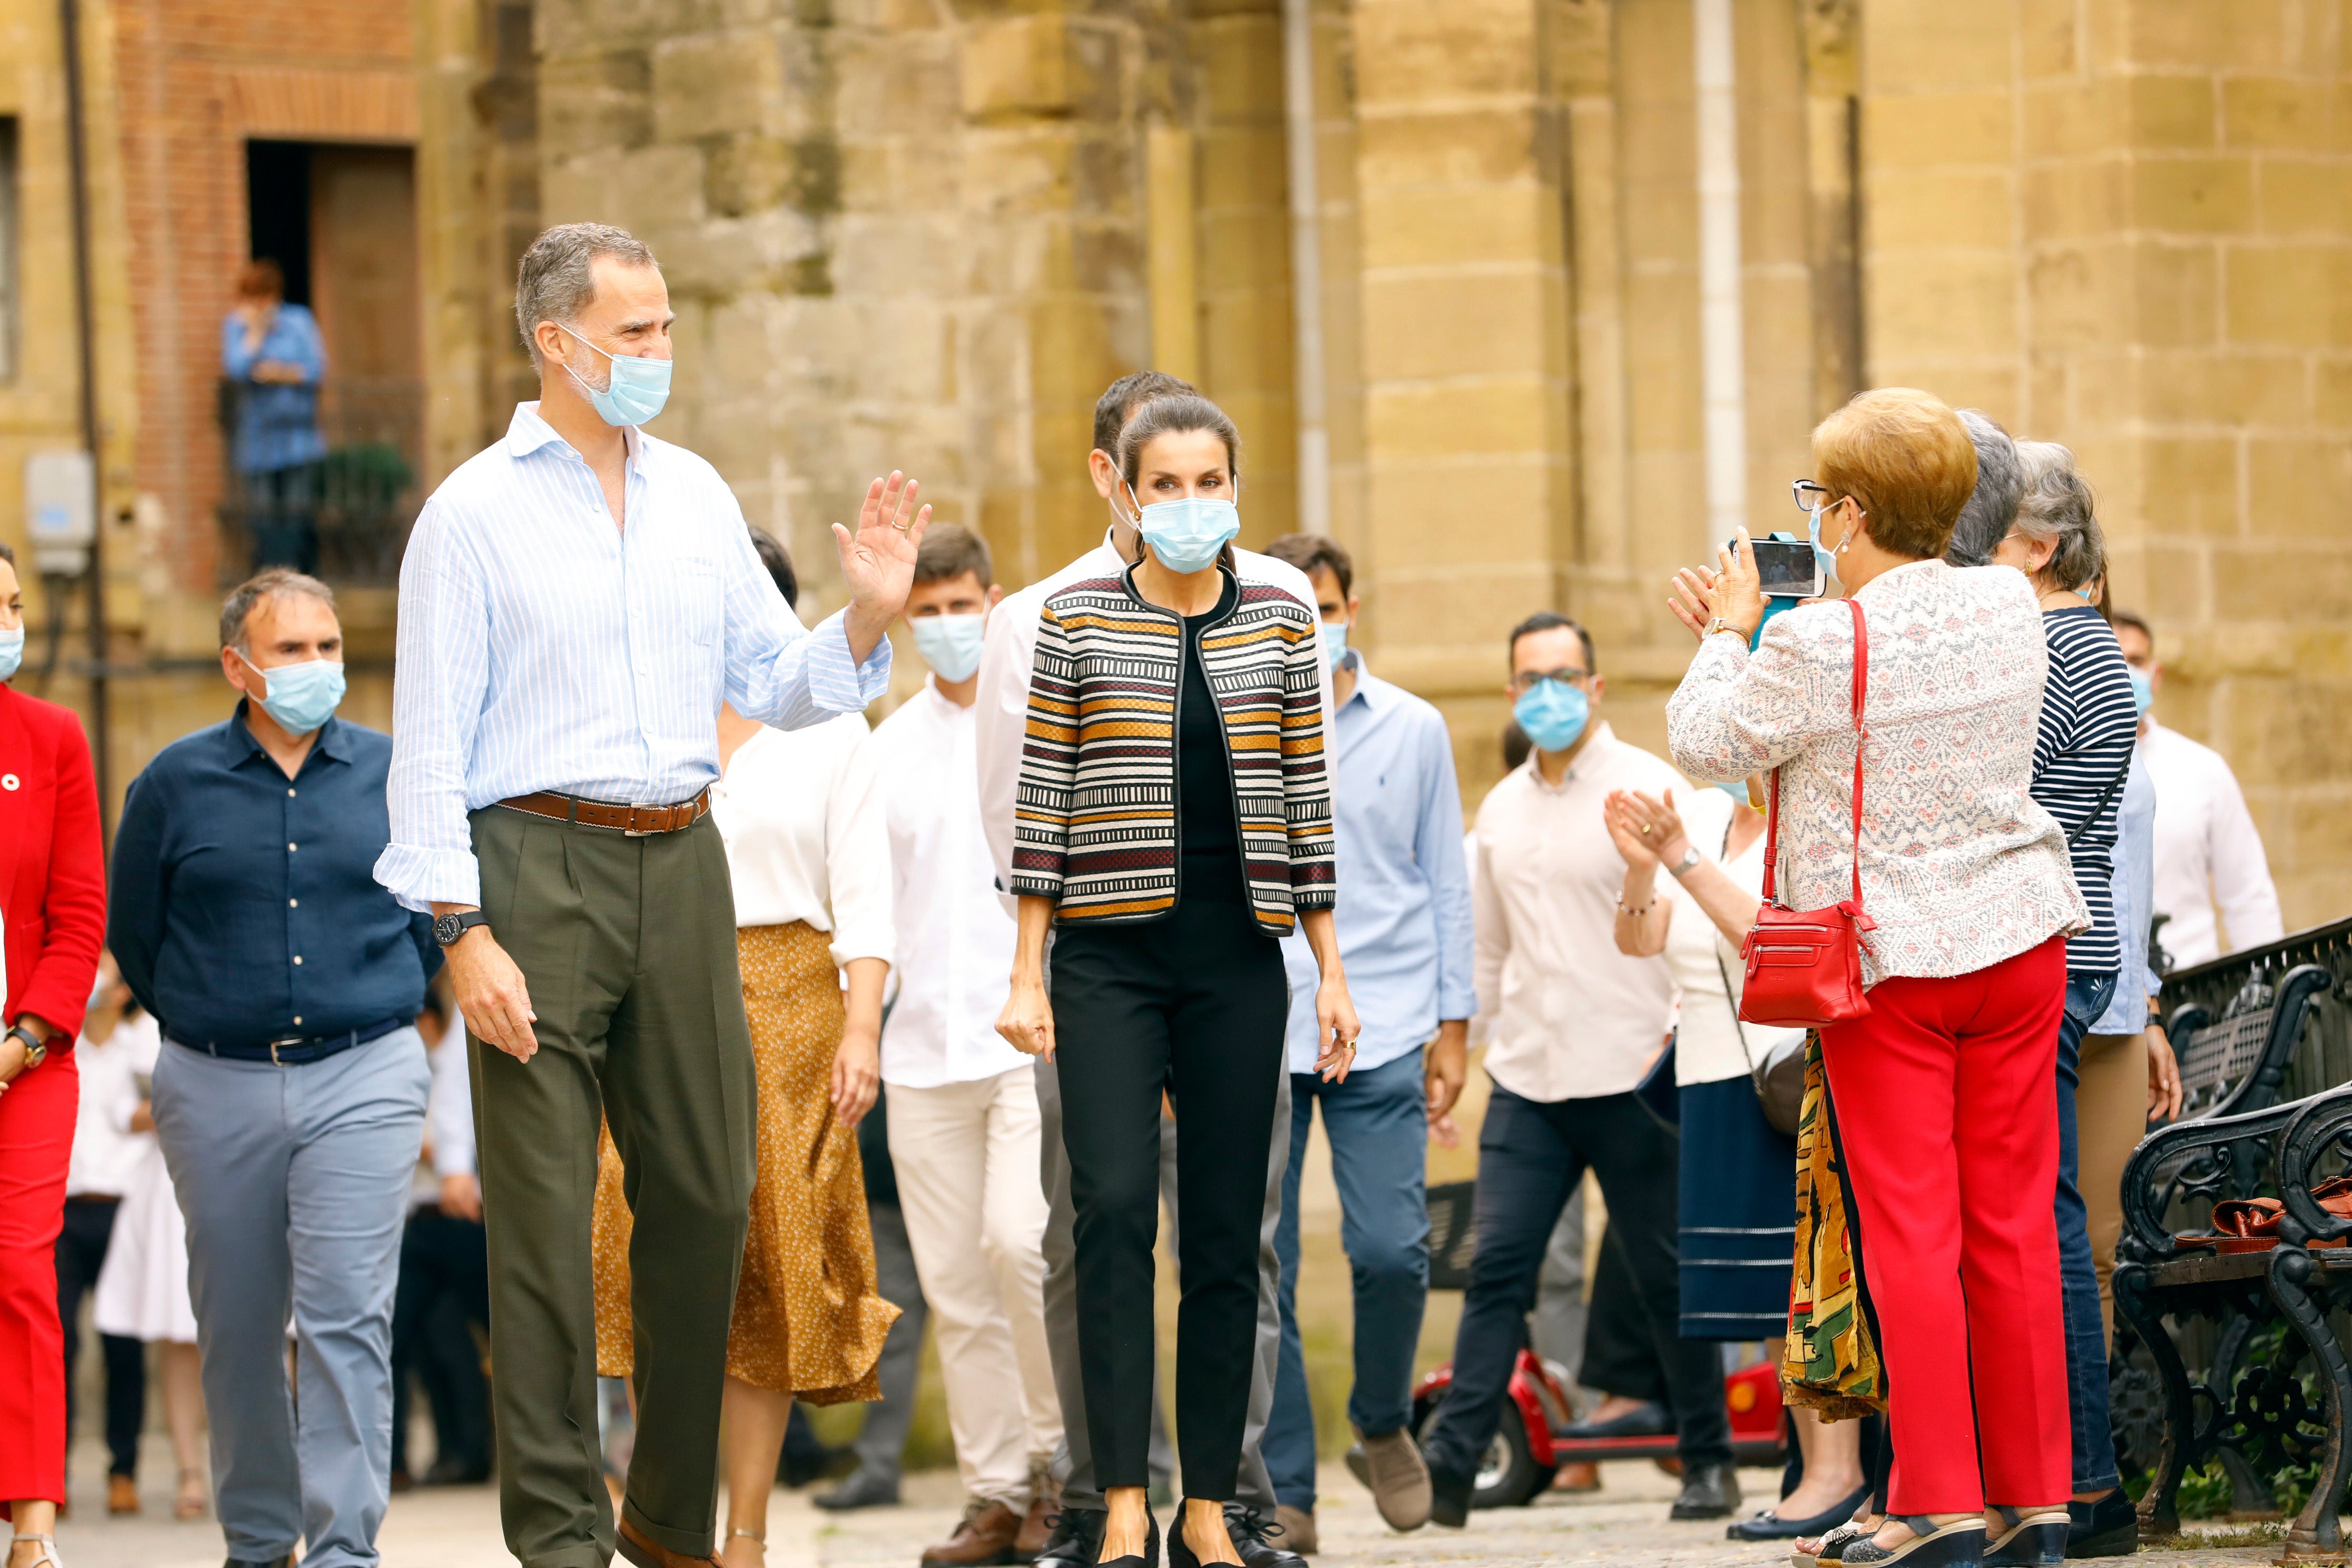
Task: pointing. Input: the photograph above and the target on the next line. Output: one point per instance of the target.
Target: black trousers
(80, 1252)
(444, 1286)
(1621, 1357)
(1195, 1003)
(1532, 1154)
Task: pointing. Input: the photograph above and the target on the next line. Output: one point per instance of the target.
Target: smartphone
(1786, 568)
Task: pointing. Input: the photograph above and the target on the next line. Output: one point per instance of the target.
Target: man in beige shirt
(1574, 1025)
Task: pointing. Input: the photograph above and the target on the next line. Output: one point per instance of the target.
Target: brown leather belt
(636, 821)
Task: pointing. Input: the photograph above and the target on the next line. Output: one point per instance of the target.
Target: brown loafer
(646, 1553)
(986, 1534)
(121, 1495)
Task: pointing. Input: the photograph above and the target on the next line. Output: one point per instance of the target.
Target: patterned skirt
(809, 1320)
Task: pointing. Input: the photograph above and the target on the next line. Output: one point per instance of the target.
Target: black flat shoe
(1150, 1558)
(1768, 1525)
(1709, 1491)
(2107, 1528)
(1648, 1420)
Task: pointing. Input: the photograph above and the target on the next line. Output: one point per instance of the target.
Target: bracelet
(1637, 914)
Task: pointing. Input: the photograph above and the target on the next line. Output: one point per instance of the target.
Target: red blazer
(52, 868)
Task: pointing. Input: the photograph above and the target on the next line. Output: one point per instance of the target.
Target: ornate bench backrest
(2238, 1063)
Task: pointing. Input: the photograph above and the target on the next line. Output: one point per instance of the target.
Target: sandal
(48, 1557)
(2036, 1540)
(1957, 1541)
(1831, 1548)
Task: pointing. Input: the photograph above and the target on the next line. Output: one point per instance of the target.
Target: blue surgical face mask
(2143, 691)
(949, 643)
(1188, 532)
(636, 392)
(1822, 558)
(12, 652)
(1335, 642)
(1552, 714)
(301, 697)
(1735, 788)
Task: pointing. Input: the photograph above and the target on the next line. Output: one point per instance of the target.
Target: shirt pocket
(687, 595)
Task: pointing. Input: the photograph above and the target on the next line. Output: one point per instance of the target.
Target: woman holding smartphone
(1174, 820)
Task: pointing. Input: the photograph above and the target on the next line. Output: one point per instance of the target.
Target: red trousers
(37, 1131)
(1947, 1106)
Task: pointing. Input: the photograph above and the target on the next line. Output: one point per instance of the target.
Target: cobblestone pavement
(459, 1527)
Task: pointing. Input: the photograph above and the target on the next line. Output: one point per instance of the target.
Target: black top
(1208, 836)
(244, 905)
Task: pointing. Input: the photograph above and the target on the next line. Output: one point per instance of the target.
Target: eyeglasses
(1524, 681)
(1809, 495)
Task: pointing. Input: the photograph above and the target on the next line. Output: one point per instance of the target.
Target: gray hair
(1991, 508)
(556, 277)
(2057, 509)
(237, 608)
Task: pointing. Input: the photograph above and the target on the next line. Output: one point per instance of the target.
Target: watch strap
(458, 925)
(35, 1051)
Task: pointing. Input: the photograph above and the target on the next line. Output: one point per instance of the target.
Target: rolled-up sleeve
(857, 860)
(441, 670)
(776, 672)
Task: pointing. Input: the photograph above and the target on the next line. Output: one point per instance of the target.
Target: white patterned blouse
(1960, 868)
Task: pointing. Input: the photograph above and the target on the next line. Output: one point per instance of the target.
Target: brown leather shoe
(1583, 1476)
(986, 1534)
(1045, 1502)
(644, 1553)
(121, 1495)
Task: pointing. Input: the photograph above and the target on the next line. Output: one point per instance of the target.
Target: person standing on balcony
(274, 359)
(290, 1093)
(577, 602)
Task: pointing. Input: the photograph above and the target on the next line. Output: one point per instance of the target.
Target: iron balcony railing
(334, 469)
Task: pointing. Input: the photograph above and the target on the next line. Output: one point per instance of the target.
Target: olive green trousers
(628, 948)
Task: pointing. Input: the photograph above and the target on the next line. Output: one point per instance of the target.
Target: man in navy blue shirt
(290, 1099)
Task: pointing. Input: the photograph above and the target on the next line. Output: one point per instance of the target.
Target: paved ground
(1624, 1524)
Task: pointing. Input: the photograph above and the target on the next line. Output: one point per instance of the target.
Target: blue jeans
(2087, 996)
(1378, 1123)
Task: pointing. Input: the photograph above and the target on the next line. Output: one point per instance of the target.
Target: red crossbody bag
(1804, 966)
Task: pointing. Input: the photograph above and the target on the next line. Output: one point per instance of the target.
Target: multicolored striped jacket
(1095, 824)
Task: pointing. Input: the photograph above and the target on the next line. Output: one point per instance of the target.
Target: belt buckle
(636, 806)
(288, 1040)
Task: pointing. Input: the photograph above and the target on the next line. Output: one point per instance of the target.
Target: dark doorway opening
(277, 205)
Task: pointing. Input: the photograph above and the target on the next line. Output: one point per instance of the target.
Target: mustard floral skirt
(808, 1318)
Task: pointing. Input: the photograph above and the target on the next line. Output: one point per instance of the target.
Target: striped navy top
(2083, 745)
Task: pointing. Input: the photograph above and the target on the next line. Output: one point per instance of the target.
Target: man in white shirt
(2211, 877)
(964, 1126)
(1000, 717)
(1575, 1025)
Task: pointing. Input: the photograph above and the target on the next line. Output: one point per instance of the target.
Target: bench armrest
(2321, 1124)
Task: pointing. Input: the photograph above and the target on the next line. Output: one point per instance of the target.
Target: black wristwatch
(36, 1053)
(448, 928)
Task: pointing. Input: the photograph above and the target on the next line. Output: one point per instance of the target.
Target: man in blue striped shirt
(576, 602)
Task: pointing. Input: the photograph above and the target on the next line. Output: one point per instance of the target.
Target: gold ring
(1645, 830)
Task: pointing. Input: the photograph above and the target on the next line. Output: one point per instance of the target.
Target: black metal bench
(2228, 1355)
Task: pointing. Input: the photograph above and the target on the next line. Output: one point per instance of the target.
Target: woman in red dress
(53, 902)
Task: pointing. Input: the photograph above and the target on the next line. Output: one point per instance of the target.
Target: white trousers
(966, 1155)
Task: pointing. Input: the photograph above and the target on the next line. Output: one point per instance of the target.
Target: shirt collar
(1604, 741)
(243, 747)
(526, 433)
(1370, 691)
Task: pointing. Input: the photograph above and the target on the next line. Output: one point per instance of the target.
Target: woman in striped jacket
(1174, 819)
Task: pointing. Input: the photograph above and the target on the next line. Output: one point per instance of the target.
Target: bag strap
(2105, 795)
(1861, 733)
(1773, 819)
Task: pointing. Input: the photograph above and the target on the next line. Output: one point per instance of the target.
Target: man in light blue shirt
(575, 604)
(1405, 936)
